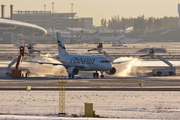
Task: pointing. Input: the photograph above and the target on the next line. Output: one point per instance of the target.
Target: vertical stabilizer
(61, 47)
(80, 33)
(96, 32)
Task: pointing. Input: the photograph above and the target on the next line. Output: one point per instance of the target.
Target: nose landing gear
(102, 76)
(71, 76)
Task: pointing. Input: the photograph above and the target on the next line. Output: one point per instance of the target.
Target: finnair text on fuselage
(82, 60)
(90, 63)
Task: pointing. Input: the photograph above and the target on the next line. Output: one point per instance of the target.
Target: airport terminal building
(56, 21)
(11, 30)
(38, 25)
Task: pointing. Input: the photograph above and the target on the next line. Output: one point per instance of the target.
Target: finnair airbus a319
(76, 63)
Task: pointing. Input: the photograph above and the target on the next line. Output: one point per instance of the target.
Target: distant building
(11, 30)
(179, 14)
(47, 19)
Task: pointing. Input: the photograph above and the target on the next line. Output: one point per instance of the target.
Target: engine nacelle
(73, 70)
(112, 71)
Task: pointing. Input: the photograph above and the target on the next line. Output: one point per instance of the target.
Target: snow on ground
(112, 104)
(20, 117)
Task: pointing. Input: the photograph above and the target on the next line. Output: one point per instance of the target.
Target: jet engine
(112, 71)
(72, 70)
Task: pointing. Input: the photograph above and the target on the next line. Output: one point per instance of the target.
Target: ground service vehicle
(16, 72)
(163, 72)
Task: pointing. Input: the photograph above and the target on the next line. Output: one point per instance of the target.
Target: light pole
(53, 21)
(2, 11)
(72, 22)
(44, 17)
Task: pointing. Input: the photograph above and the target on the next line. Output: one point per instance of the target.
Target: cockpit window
(105, 61)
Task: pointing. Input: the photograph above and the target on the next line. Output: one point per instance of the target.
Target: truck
(163, 72)
(16, 72)
(20, 73)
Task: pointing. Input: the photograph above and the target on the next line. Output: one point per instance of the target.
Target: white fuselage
(82, 39)
(110, 39)
(88, 63)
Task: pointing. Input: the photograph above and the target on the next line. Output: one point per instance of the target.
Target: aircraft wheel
(69, 75)
(159, 73)
(72, 76)
(170, 73)
(102, 76)
(97, 75)
(94, 75)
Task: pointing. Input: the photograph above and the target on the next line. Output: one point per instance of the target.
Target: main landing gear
(96, 74)
(71, 76)
(102, 76)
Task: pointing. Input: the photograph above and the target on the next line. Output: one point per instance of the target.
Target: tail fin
(96, 32)
(80, 33)
(61, 47)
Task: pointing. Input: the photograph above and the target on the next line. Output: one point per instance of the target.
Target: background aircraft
(82, 38)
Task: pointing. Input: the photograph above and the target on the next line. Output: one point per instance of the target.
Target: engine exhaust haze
(126, 68)
(45, 70)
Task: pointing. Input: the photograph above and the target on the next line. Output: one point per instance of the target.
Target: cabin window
(105, 61)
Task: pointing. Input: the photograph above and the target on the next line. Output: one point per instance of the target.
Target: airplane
(80, 33)
(157, 50)
(121, 38)
(82, 38)
(113, 38)
(75, 63)
(116, 43)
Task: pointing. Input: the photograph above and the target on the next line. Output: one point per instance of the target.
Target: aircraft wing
(147, 55)
(121, 62)
(55, 64)
(117, 62)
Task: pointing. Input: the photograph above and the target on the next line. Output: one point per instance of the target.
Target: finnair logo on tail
(59, 42)
(60, 45)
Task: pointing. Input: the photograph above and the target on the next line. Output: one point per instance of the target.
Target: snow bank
(111, 104)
